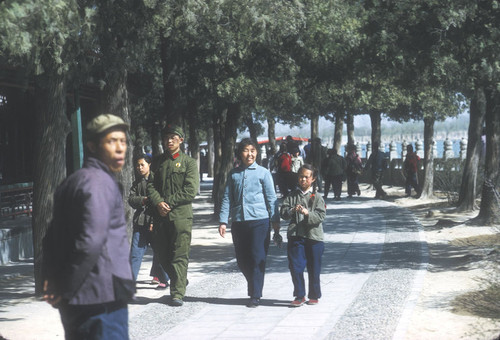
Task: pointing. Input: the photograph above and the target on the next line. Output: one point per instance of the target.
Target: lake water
(440, 148)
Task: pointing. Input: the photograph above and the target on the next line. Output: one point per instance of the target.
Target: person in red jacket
(283, 169)
(410, 167)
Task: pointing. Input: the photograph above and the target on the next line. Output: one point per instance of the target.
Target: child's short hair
(310, 167)
(314, 171)
(142, 156)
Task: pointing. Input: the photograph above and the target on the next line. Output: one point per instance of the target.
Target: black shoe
(176, 302)
(253, 303)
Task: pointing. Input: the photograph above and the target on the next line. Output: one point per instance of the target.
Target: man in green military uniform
(172, 192)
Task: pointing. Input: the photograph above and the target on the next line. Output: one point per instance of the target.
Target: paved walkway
(373, 267)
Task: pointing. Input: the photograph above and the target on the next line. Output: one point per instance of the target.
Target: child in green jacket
(306, 211)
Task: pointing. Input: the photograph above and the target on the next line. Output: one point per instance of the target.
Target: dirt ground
(460, 297)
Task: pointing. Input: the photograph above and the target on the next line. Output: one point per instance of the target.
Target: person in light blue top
(250, 200)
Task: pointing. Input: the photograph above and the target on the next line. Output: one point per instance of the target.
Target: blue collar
(253, 166)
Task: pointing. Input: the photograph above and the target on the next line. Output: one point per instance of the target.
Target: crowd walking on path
(90, 203)
(218, 291)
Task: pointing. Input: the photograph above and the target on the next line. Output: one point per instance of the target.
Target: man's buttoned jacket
(176, 182)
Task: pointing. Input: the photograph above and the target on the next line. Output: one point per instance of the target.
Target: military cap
(173, 129)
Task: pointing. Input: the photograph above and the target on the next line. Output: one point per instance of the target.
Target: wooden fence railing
(16, 200)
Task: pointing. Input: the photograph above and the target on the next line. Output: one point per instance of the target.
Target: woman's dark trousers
(251, 243)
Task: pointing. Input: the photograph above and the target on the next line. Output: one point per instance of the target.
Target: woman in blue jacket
(250, 200)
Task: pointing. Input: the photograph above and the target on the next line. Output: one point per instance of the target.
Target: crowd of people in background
(339, 170)
(334, 169)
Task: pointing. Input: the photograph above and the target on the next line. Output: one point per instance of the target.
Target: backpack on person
(284, 162)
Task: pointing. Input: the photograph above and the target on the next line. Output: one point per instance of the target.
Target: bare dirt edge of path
(460, 296)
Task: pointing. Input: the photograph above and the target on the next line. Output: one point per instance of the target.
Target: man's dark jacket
(86, 248)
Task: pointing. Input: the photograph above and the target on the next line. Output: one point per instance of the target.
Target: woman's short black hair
(243, 144)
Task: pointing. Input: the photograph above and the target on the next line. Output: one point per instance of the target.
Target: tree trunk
(271, 134)
(314, 126)
(428, 182)
(114, 94)
(468, 190)
(169, 70)
(156, 142)
(252, 128)
(52, 128)
(210, 152)
(315, 153)
(218, 121)
(193, 140)
(230, 132)
(376, 119)
(350, 128)
(316, 156)
(339, 127)
(116, 102)
(489, 211)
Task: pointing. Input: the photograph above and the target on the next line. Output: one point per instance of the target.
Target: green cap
(172, 129)
(104, 122)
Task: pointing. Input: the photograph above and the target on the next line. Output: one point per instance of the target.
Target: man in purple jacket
(86, 268)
